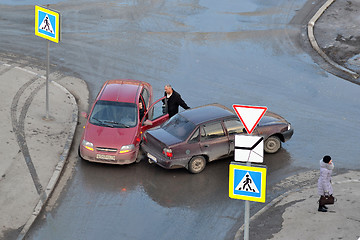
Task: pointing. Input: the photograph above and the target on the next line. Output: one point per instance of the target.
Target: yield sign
(249, 115)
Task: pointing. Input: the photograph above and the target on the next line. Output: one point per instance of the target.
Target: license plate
(105, 157)
(152, 157)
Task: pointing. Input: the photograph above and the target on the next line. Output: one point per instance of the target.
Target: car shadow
(176, 187)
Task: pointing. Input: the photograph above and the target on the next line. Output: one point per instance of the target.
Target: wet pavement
(248, 62)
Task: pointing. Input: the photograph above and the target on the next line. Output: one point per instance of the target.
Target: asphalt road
(227, 52)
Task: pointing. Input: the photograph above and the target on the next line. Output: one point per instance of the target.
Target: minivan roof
(122, 90)
(207, 113)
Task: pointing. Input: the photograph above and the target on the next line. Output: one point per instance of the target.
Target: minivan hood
(109, 137)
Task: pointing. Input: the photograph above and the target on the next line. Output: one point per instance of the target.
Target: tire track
(19, 128)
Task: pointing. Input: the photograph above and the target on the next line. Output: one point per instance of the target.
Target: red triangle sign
(249, 115)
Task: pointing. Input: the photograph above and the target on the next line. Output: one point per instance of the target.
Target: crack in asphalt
(19, 129)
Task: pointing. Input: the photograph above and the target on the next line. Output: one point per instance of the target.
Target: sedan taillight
(168, 152)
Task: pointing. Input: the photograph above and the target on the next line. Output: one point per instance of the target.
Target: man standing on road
(174, 100)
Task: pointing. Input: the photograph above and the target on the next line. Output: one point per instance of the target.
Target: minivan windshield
(179, 127)
(114, 114)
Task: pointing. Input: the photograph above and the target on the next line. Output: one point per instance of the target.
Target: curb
(60, 165)
(314, 44)
(264, 209)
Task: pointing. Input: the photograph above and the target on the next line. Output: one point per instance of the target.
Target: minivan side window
(211, 131)
(145, 95)
(234, 126)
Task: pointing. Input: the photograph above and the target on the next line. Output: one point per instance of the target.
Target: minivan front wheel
(197, 164)
(272, 144)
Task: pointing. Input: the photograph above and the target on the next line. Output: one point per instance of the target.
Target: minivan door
(154, 116)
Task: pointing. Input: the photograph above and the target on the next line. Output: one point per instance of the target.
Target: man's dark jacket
(173, 102)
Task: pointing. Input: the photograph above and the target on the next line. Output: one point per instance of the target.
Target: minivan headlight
(88, 145)
(127, 148)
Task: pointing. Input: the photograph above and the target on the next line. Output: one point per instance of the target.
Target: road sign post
(248, 183)
(47, 25)
(247, 214)
(248, 149)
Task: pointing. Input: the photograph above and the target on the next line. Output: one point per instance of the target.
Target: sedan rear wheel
(272, 144)
(197, 164)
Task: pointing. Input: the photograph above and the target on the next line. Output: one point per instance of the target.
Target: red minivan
(122, 111)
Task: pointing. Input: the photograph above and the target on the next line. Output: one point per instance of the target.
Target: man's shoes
(322, 209)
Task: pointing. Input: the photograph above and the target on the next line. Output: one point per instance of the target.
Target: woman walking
(324, 182)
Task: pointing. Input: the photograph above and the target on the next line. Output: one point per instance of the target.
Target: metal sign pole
(47, 81)
(47, 25)
(247, 115)
(247, 182)
(247, 215)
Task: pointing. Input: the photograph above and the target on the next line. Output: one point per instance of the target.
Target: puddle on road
(354, 63)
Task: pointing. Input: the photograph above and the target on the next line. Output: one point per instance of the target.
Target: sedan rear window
(114, 114)
(179, 127)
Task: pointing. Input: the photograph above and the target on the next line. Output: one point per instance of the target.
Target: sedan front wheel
(272, 144)
(197, 164)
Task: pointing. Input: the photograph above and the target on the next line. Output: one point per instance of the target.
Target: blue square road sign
(47, 24)
(247, 182)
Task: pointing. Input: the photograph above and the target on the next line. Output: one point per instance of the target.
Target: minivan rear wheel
(272, 144)
(197, 164)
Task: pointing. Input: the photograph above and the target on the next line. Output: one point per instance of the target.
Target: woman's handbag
(327, 200)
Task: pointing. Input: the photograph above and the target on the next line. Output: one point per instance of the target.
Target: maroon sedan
(196, 136)
(122, 111)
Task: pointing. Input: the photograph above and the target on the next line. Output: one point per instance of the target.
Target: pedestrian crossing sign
(247, 182)
(47, 24)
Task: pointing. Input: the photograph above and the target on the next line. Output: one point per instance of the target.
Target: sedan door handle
(206, 145)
